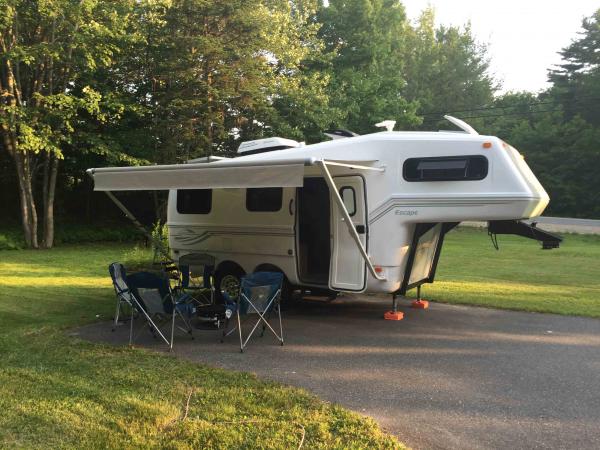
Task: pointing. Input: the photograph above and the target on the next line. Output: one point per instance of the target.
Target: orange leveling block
(394, 314)
(419, 303)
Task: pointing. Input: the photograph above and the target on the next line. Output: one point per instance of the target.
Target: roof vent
(266, 145)
(339, 134)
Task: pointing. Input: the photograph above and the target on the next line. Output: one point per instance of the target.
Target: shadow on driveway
(446, 377)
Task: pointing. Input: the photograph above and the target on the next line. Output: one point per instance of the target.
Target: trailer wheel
(227, 279)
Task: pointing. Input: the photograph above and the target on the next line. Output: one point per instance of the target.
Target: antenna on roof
(387, 124)
(461, 124)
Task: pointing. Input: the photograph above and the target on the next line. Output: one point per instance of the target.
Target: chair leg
(131, 328)
(117, 313)
(240, 331)
(172, 327)
(280, 324)
(264, 327)
(188, 327)
(225, 327)
(155, 329)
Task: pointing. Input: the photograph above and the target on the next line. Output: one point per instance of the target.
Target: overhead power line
(491, 108)
(509, 114)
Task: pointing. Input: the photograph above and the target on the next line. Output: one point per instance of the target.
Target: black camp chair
(260, 295)
(150, 297)
(191, 266)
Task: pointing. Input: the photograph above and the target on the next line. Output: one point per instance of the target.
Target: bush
(11, 237)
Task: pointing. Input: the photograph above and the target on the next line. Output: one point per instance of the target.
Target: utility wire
(509, 114)
(487, 108)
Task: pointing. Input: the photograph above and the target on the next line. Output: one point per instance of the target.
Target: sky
(523, 36)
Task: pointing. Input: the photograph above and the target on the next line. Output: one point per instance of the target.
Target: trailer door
(347, 268)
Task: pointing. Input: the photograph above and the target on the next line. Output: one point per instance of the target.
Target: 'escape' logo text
(400, 212)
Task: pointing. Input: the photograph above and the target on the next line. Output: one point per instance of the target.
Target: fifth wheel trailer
(357, 214)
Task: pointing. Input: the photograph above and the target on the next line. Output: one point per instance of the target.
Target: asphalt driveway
(447, 377)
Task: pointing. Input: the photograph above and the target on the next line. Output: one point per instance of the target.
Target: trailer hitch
(531, 231)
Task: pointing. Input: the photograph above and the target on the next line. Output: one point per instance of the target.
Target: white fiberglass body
(384, 206)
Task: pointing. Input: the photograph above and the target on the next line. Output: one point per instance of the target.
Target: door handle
(290, 207)
(360, 229)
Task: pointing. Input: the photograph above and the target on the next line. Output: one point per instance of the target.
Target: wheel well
(268, 268)
(228, 266)
(286, 287)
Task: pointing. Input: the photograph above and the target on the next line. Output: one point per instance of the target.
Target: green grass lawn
(520, 275)
(59, 392)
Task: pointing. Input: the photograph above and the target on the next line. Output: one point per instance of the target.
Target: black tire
(287, 293)
(226, 278)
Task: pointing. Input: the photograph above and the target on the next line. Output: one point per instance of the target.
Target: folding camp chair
(122, 292)
(260, 295)
(150, 297)
(191, 266)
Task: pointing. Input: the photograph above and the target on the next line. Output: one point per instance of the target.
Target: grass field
(60, 392)
(57, 391)
(520, 275)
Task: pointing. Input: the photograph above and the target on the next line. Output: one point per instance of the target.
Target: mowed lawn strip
(59, 392)
(520, 275)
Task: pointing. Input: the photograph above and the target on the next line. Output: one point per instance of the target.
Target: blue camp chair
(150, 296)
(260, 295)
(122, 292)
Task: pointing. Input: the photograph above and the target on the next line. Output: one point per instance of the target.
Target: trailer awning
(197, 176)
(230, 174)
(219, 174)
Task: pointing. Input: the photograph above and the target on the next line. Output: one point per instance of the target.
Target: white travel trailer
(362, 213)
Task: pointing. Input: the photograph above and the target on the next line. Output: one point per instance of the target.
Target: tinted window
(349, 197)
(264, 199)
(194, 201)
(451, 168)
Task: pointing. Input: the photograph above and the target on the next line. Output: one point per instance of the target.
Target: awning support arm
(139, 226)
(354, 166)
(338, 199)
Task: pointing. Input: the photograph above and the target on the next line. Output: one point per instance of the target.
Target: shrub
(11, 236)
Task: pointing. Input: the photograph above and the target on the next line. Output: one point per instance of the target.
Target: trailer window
(264, 199)
(349, 198)
(194, 201)
(449, 168)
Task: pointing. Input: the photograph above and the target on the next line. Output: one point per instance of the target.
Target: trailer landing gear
(419, 303)
(394, 314)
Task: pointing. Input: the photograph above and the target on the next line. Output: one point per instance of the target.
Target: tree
(576, 82)
(47, 47)
(446, 70)
(367, 73)
(213, 72)
(558, 130)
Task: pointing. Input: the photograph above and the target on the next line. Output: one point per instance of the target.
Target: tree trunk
(28, 208)
(23, 199)
(49, 189)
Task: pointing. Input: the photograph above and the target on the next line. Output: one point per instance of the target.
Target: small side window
(194, 201)
(349, 198)
(446, 168)
(264, 199)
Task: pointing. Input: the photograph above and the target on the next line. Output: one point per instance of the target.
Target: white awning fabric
(224, 174)
(229, 173)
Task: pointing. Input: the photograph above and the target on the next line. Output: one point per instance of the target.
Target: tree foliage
(368, 38)
(446, 70)
(87, 83)
(47, 45)
(558, 130)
